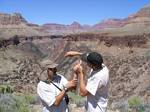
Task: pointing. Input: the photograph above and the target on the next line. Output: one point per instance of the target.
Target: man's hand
(78, 68)
(71, 84)
(72, 53)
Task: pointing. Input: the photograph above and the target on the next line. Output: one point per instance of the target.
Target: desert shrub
(12, 103)
(31, 99)
(78, 100)
(147, 107)
(16, 40)
(6, 89)
(134, 101)
(136, 104)
(121, 105)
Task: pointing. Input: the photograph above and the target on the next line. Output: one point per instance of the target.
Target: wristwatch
(65, 88)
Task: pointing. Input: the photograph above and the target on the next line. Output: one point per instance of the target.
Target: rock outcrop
(11, 19)
(15, 24)
(110, 23)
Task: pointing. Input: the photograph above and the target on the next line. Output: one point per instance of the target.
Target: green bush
(31, 99)
(11, 103)
(6, 89)
(134, 101)
(136, 104)
(78, 100)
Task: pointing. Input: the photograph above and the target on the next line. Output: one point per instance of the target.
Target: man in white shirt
(96, 88)
(52, 91)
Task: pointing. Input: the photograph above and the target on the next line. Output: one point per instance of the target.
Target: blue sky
(66, 11)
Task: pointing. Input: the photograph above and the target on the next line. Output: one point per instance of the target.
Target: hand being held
(72, 84)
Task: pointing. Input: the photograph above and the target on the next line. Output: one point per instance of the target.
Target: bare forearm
(59, 98)
(83, 91)
(73, 53)
(77, 54)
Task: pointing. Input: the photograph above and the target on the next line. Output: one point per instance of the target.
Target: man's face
(51, 72)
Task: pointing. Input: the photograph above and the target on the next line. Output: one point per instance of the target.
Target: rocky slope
(110, 23)
(56, 29)
(14, 19)
(128, 64)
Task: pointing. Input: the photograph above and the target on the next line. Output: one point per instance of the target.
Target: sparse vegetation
(31, 99)
(16, 103)
(136, 104)
(6, 89)
(78, 100)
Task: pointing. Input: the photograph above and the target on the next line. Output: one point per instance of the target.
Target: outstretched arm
(72, 53)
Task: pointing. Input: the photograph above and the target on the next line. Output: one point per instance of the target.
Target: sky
(66, 11)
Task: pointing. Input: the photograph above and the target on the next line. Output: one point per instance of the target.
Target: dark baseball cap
(92, 58)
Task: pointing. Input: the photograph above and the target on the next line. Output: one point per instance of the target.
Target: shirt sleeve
(47, 95)
(93, 85)
(64, 80)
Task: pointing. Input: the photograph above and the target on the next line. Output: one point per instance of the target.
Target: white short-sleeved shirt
(97, 86)
(48, 92)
